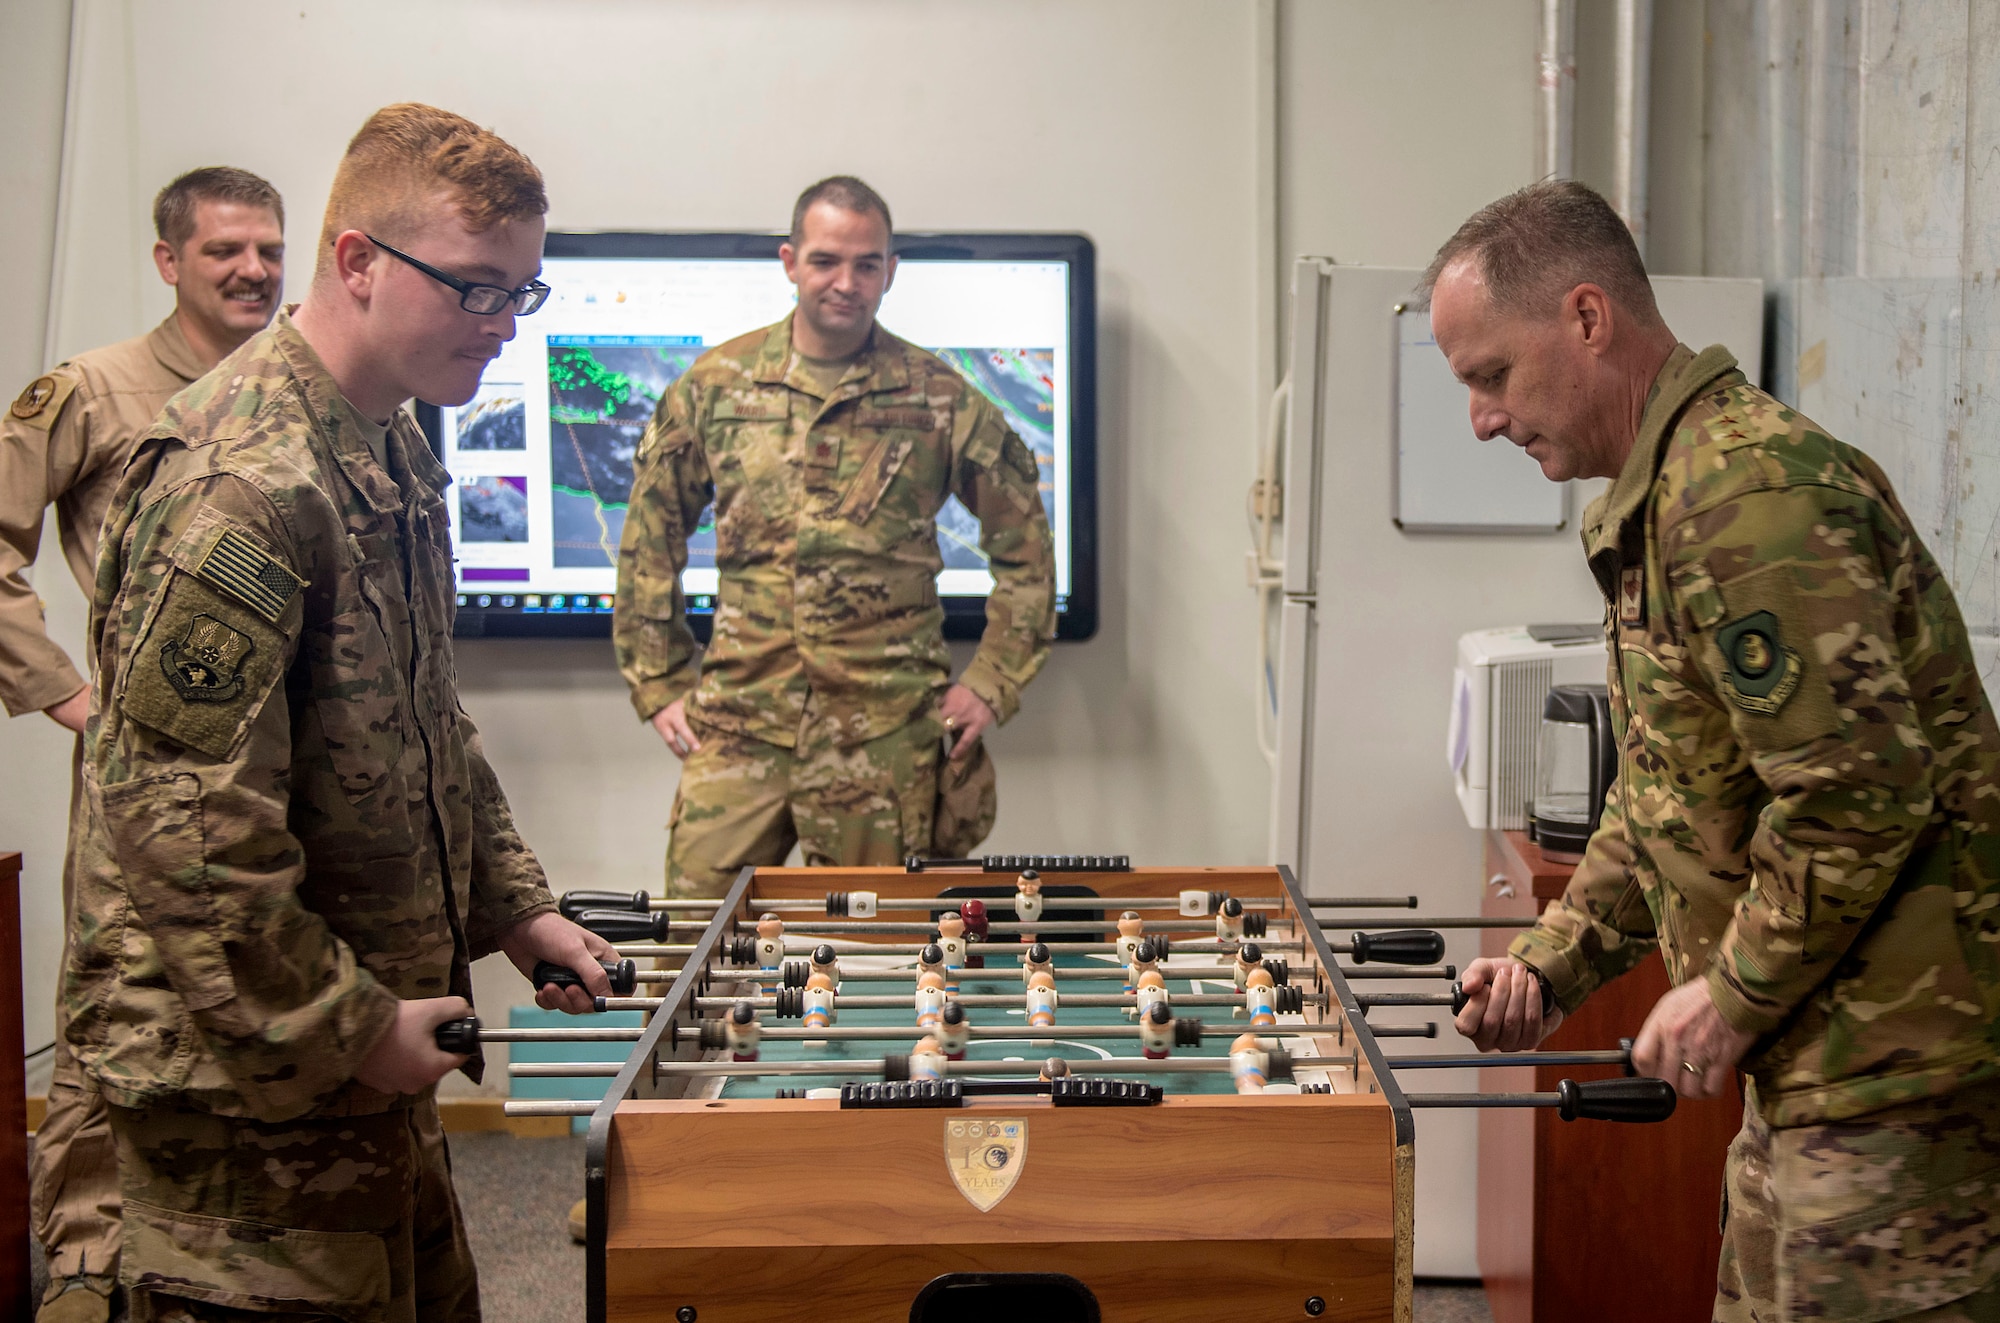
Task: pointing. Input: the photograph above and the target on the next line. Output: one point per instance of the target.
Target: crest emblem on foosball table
(985, 1157)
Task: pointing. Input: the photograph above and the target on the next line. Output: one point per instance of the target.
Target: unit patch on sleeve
(246, 572)
(206, 666)
(1760, 671)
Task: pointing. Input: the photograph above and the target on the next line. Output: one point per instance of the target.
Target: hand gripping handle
(1410, 946)
(1640, 1099)
(574, 903)
(459, 1037)
(617, 926)
(624, 975)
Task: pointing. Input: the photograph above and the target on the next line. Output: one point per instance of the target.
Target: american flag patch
(246, 572)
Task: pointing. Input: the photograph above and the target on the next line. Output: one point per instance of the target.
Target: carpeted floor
(516, 1194)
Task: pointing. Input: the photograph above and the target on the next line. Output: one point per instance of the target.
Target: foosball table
(1009, 1088)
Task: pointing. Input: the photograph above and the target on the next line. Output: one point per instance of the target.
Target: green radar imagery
(602, 391)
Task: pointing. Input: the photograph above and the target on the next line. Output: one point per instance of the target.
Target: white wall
(1127, 120)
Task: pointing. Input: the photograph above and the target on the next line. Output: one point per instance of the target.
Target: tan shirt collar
(169, 345)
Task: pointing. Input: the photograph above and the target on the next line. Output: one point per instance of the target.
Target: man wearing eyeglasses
(220, 244)
(293, 846)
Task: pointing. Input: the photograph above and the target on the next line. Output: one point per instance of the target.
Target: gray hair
(1537, 244)
(845, 192)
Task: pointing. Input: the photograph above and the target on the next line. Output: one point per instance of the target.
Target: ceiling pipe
(1556, 90)
(1633, 67)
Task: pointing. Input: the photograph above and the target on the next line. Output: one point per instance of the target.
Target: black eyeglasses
(481, 300)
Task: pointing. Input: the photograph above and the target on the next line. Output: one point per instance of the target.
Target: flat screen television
(541, 458)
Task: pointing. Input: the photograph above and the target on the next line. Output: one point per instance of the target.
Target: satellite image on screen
(493, 509)
(602, 389)
(1021, 382)
(496, 419)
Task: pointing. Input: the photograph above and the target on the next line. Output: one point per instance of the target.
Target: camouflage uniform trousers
(744, 801)
(347, 1217)
(1894, 1215)
(73, 1171)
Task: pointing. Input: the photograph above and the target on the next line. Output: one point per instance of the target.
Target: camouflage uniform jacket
(826, 539)
(64, 442)
(290, 821)
(1806, 813)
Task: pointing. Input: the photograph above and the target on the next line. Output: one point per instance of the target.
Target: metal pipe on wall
(1556, 90)
(1633, 68)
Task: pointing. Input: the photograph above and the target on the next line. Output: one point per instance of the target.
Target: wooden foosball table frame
(1201, 1207)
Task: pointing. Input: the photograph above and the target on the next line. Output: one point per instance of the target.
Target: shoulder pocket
(1765, 662)
(204, 666)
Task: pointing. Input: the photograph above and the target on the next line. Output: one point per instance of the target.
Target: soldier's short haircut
(174, 205)
(406, 154)
(845, 192)
(1537, 244)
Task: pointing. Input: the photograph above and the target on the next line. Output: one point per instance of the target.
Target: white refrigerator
(1366, 618)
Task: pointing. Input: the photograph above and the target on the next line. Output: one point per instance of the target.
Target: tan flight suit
(64, 442)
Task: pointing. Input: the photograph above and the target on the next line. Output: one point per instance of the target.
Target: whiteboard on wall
(1446, 479)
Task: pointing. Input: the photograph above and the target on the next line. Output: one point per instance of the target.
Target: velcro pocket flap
(1766, 664)
(760, 408)
(252, 1266)
(879, 417)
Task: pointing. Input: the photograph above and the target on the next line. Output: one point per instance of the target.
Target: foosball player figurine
(1143, 960)
(1131, 929)
(1260, 998)
(1055, 1068)
(824, 962)
(1229, 921)
(951, 941)
(743, 1031)
(954, 1031)
(1248, 957)
(819, 998)
(1249, 1064)
(1028, 899)
(770, 944)
(1151, 992)
(926, 1061)
(1156, 1031)
(1037, 960)
(930, 998)
(930, 960)
(1041, 999)
(977, 927)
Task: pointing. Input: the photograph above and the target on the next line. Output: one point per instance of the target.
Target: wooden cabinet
(1589, 1220)
(14, 1289)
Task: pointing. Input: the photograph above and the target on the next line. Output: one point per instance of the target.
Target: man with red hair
(292, 846)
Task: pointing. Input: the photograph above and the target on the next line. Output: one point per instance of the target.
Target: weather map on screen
(542, 457)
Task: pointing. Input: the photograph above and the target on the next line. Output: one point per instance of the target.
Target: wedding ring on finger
(1691, 1068)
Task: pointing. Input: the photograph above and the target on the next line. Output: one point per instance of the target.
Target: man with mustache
(292, 846)
(220, 243)
(1806, 820)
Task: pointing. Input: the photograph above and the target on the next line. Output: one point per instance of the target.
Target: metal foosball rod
(1012, 1033)
(852, 1067)
(1429, 1030)
(1455, 921)
(1620, 1057)
(977, 1000)
(573, 903)
(803, 946)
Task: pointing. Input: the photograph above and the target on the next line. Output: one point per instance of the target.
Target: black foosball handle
(1640, 1099)
(624, 976)
(617, 926)
(574, 903)
(1407, 946)
(458, 1037)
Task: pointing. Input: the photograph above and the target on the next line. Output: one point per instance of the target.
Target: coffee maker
(1575, 763)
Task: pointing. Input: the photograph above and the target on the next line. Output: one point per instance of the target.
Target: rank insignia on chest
(985, 1157)
(206, 666)
(1632, 595)
(1760, 672)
